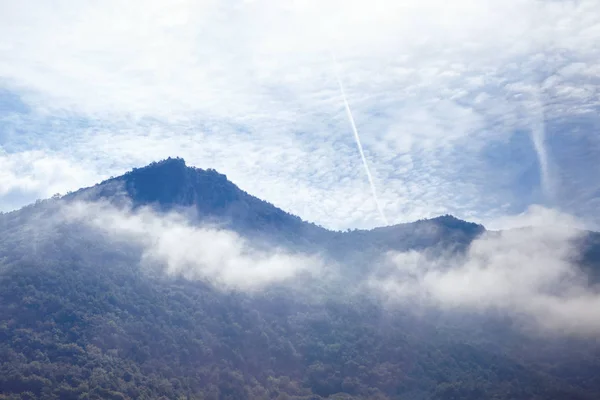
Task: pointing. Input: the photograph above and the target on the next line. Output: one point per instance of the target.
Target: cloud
(194, 252)
(529, 273)
(435, 88)
(28, 176)
(540, 217)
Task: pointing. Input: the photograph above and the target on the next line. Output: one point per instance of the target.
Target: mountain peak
(177, 161)
(171, 184)
(450, 221)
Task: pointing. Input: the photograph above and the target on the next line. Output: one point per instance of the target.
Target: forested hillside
(83, 316)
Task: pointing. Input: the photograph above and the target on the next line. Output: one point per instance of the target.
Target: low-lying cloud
(529, 273)
(207, 253)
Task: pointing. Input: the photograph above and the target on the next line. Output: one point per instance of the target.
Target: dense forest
(82, 318)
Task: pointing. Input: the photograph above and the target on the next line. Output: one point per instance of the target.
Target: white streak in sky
(358, 143)
(538, 137)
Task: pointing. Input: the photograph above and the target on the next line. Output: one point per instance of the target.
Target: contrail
(357, 138)
(538, 137)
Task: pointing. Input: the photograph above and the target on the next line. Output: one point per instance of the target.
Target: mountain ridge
(207, 196)
(148, 185)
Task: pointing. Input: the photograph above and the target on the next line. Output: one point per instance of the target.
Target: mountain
(170, 185)
(84, 313)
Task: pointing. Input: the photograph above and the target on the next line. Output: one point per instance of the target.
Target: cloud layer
(206, 253)
(529, 273)
(477, 108)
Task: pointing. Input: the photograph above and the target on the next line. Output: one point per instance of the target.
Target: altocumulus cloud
(195, 252)
(247, 88)
(525, 272)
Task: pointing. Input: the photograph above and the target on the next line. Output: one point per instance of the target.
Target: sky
(477, 108)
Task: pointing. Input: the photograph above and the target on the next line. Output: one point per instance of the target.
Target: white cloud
(195, 252)
(433, 84)
(526, 272)
(28, 176)
(539, 217)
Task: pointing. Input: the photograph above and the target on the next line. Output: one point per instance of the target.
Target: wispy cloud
(207, 253)
(437, 90)
(529, 273)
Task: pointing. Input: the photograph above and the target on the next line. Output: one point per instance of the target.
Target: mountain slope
(171, 185)
(81, 317)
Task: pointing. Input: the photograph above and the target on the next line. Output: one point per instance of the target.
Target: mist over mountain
(172, 282)
(208, 197)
